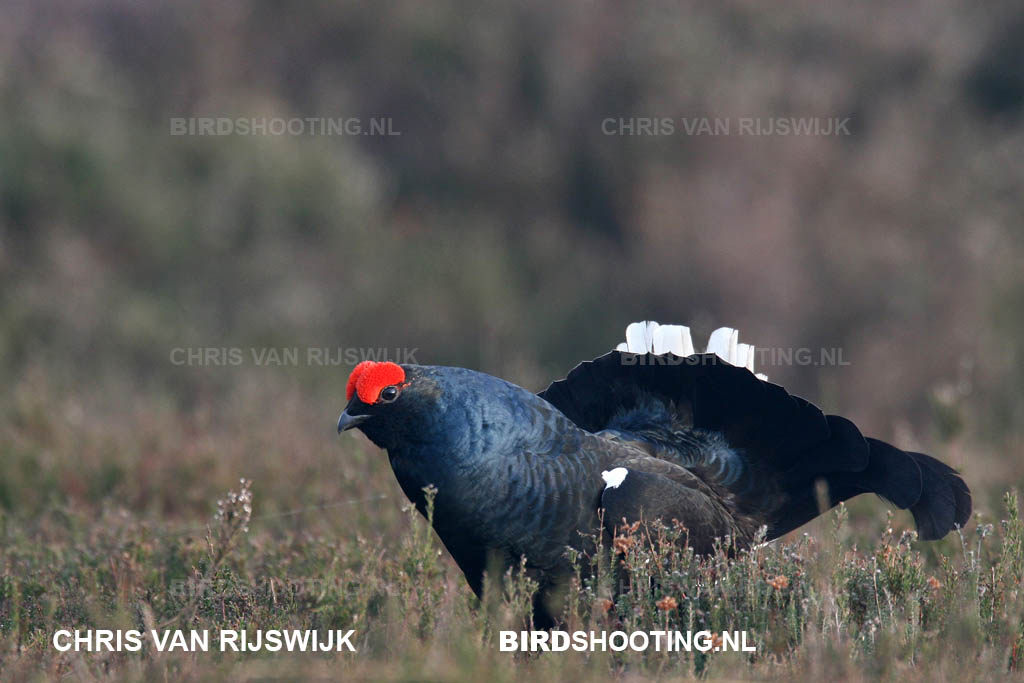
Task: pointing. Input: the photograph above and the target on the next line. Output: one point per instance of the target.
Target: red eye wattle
(353, 379)
(369, 378)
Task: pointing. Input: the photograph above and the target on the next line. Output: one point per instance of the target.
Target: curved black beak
(347, 421)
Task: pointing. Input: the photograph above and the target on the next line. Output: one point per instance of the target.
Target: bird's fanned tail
(768, 451)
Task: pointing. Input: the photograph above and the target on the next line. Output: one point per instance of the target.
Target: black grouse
(649, 431)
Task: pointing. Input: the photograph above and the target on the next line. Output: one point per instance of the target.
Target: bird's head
(421, 409)
(397, 404)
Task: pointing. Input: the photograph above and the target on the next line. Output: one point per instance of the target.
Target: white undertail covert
(648, 336)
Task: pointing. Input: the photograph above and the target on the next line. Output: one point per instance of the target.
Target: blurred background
(515, 223)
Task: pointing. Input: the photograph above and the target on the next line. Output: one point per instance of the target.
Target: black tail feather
(934, 493)
(839, 461)
(892, 474)
(945, 499)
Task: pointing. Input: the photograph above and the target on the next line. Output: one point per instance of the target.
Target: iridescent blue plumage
(519, 475)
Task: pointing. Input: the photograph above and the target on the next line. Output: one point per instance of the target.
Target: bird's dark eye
(388, 394)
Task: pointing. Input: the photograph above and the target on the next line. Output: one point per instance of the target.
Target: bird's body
(625, 437)
(513, 475)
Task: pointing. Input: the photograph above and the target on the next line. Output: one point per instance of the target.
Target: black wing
(645, 489)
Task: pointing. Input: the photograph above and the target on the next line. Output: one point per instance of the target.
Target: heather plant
(505, 229)
(801, 600)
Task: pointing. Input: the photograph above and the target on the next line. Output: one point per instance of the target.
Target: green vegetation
(124, 524)
(813, 607)
(505, 231)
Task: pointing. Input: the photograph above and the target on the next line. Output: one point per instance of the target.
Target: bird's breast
(525, 502)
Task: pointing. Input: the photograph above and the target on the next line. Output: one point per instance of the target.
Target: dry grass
(116, 517)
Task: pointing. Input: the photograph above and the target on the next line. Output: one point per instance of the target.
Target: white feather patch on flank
(612, 478)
